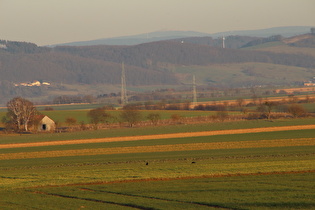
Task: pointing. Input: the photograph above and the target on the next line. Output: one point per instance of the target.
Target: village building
(2, 46)
(32, 84)
(310, 83)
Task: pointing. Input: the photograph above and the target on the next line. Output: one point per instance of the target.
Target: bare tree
(70, 121)
(240, 102)
(266, 108)
(98, 115)
(176, 118)
(297, 110)
(154, 118)
(222, 115)
(131, 116)
(20, 112)
(269, 105)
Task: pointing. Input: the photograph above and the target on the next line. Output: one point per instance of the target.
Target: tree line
(22, 114)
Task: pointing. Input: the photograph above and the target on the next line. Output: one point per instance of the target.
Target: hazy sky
(58, 21)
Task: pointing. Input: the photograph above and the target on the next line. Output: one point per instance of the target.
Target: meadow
(262, 170)
(81, 115)
(245, 73)
(151, 130)
(279, 191)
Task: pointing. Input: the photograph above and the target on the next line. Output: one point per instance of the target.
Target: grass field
(288, 49)
(280, 191)
(180, 128)
(80, 115)
(245, 74)
(269, 169)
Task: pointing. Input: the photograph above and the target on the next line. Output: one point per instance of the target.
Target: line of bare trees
(21, 114)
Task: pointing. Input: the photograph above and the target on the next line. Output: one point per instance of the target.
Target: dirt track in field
(161, 136)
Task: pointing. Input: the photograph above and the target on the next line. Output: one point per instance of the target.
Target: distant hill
(138, 39)
(303, 40)
(156, 55)
(167, 35)
(274, 60)
(149, 63)
(232, 42)
(286, 31)
(307, 40)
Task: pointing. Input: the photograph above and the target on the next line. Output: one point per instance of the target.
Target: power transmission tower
(194, 92)
(124, 99)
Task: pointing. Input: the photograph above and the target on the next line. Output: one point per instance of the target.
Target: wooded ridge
(154, 63)
(146, 63)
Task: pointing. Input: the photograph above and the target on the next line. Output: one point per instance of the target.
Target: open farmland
(263, 191)
(207, 167)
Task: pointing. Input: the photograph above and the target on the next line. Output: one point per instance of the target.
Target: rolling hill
(263, 61)
(167, 35)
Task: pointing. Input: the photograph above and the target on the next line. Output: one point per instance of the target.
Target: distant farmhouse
(310, 83)
(46, 124)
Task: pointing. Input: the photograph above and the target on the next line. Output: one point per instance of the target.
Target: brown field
(162, 136)
(300, 89)
(274, 99)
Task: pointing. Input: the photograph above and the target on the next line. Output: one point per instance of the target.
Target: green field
(282, 191)
(287, 49)
(80, 115)
(245, 74)
(5, 139)
(267, 177)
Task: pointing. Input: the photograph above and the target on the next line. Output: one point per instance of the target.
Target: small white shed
(46, 125)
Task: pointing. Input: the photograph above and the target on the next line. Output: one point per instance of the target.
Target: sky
(47, 22)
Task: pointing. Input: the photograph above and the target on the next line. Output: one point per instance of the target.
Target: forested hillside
(157, 63)
(145, 63)
(58, 67)
(152, 54)
(231, 42)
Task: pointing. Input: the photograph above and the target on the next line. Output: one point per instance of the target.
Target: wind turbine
(124, 99)
(223, 42)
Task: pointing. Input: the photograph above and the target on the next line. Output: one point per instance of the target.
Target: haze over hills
(137, 39)
(167, 35)
(245, 62)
